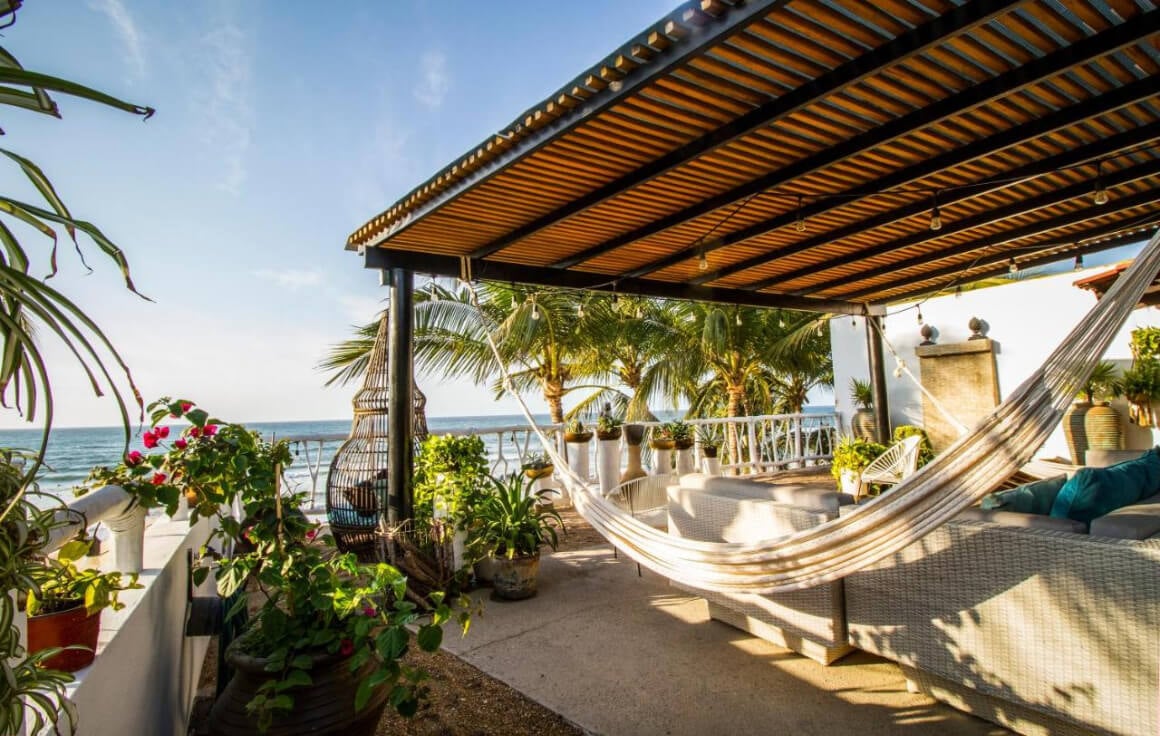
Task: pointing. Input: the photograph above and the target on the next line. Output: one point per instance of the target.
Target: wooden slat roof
(791, 152)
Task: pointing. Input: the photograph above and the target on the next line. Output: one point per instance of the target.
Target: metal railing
(763, 443)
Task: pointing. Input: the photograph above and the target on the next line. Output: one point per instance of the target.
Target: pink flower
(195, 431)
(180, 443)
(210, 430)
(158, 478)
(311, 534)
(161, 432)
(186, 406)
(369, 611)
(134, 458)
(150, 440)
(346, 648)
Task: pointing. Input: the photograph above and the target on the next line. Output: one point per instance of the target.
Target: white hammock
(960, 476)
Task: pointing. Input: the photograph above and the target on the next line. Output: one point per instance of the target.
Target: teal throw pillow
(1031, 498)
(1093, 492)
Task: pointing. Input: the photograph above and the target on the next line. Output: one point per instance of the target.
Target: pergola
(823, 155)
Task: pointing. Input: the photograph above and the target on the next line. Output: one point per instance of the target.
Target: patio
(620, 654)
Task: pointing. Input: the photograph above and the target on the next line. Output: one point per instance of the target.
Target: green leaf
(430, 637)
(363, 694)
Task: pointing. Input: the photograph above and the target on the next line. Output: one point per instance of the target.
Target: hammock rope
(958, 477)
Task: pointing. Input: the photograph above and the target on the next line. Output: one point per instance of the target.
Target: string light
(935, 214)
(959, 291)
(898, 368)
(703, 262)
(800, 223)
(1099, 194)
(738, 320)
(580, 310)
(920, 315)
(1079, 262)
(535, 309)
(1012, 266)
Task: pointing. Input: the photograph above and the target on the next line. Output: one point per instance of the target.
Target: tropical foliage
(513, 521)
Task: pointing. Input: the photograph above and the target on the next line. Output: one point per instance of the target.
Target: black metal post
(400, 403)
(878, 377)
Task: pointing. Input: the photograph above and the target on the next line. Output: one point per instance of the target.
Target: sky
(281, 127)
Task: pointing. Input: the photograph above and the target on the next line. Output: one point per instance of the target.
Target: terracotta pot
(515, 579)
(576, 437)
(1075, 432)
(63, 629)
(325, 707)
(864, 425)
(1102, 426)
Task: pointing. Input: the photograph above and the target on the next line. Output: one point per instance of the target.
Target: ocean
(73, 452)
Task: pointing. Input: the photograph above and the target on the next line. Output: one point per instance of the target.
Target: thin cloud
(361, 309)
(290, 278)
(227, 111)
(433, 79)
(127, 30)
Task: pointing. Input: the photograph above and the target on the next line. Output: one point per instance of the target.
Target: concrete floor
(620, 654)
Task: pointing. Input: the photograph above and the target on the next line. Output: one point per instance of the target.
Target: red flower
(161, 432)
(186, 406)
(195, 431)
(158, 478)
(210, 430)
(180, 443)
(134, 458)
(369, 611)
(150, 440)
(346, 648)
(311, 534)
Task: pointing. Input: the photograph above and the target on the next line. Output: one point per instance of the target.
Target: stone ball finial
(978, 328)
(928, 333)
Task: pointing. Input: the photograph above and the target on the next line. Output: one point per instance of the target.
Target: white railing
(764, 443)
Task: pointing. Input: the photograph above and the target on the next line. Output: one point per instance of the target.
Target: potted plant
(450, 479)
(925, 449)
(576, 433)
(709, 438)
(682, 434)
(662, 437)
(1141, 385)
(1101, 421)
(321, 652)
(64, 607)
(851, 456)
(608, 427)
(537, 465)
(863, 424)
(512, 526)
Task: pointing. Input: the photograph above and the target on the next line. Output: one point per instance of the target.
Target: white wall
(1028, 319)
(146, 671)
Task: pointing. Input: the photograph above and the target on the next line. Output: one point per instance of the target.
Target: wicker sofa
(1027, 622)
(742, 509)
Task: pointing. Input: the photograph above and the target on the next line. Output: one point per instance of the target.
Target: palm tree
(540, 337)
(752, 361)
(635, 337)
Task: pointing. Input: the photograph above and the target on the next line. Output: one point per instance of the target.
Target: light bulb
(535, 311)
(1100, 195)
(898, 371)
(800, 225)
(703, 262)
(959, 291)
(1079, 262)
(935, 219)
(1012, 266)
(920, 315)
(738, 320)
(580, 310)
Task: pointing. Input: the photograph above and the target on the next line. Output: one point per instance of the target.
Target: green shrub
(455, 469)
(854, 454)
(925, 450)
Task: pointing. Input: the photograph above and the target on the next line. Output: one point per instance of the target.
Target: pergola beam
(452, 266)
(1115, 100)
(1108, 41)
(996, 265)
(913, 42)
(1028, 231)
